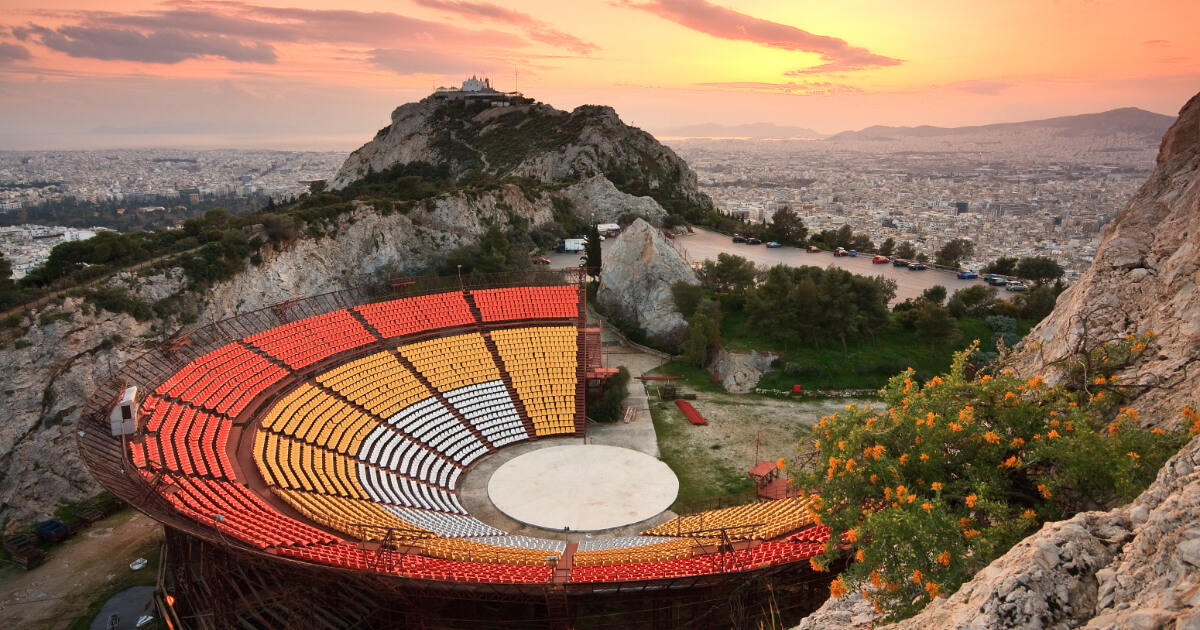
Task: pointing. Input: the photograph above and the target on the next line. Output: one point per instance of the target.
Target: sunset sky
(300, 74)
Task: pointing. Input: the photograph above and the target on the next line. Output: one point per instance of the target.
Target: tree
(592, 251)
(935, 294)
(316, 186)
(730, 274)
(687, 297)
(1001, 267)
(907, 251)
(888, 246)
(786, 227)
(935, 326)
(954, 251)
(1039, 269)
(702, 330)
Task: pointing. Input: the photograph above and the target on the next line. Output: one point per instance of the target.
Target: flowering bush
(955, 472)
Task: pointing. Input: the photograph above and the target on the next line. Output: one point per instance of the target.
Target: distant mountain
(752, 130)
(1127, 120)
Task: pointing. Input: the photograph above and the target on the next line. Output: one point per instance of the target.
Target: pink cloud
(535, 29)
(701, 16)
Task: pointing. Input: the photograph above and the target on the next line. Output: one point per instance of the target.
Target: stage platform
(583, 487)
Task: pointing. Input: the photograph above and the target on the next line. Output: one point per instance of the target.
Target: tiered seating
(448, 525)
(774, 518)
(471, 551)
(350, 515)
(379, 383)
(350, 556)
(430, 423)
(416, 314)
(452, 362)
(620, 542)
(553, 547)
(388, 450)
(310, 414)
(488, 407)
(543, 365)
(671, 549)
(184, 439)
(527, 303)
(773, 552)
(304, 342)
(243, 515)
(224, 380)
(388, 487)
(289, 463)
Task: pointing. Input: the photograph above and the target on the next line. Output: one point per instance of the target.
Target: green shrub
(608, 408)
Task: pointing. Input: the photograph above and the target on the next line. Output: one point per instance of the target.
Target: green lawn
(702, 476)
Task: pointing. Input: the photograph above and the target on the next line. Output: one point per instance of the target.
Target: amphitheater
(306, 462)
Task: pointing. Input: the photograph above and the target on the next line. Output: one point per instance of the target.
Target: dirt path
(78, 572)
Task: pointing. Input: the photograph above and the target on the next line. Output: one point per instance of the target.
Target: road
(704, 245)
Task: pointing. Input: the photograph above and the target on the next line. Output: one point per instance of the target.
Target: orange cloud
(535, 29)
(836, 54)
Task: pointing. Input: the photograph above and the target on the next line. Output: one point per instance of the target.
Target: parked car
(879, 260)
(753, 241)
(1016, 287)
(669, 234)
(967, 275)
(539, 260)
(852, 253)
(738, 238)
(916, 266)
(840, 252)
(900, 262)
(812, 249)
(996, 281)
(774, 244)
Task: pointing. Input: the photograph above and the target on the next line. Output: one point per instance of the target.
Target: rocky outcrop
(602, 198)
(1144, 278)
(740, 371)
(405, 140)
(636, 277)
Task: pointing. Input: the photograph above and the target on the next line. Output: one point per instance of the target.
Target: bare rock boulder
(638, 272)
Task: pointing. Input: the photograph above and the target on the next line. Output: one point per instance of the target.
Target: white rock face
(403, 141)
(740, 372)
(1144, 278)
(635, 282)
(600, 196)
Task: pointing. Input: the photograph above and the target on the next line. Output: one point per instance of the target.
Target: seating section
(620, 542)
(670, 549)
(497, 305)
(471, 551)
(525, 542)
(289, 463)
(431, 424)
(379, 383)
(238, 513)
(448, 525)
(364, 520)
(770, 518)
(307, 341)
(393, 489)
(405, 316)
(767, 553)
(225, 380)
(421, 567)
(183, 439)
(543, 365)
(310, 414)
(452, 362)
(489, 409)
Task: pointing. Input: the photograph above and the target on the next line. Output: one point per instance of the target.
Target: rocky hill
(533, 141)
(537, 163)
(1137, 566)
(1125, 121)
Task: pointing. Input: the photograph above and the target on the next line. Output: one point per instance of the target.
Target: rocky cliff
(638, 272)
(1137, 566)
(1144, 278)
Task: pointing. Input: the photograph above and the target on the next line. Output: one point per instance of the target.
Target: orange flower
(927, 506)
(907, 385)
(924, 457)
(971, 533)
(1018, 442)
(971, 499)
(1156, 431)
(1028, 514)
(1045, 490)
(887, 494)
(900, 490)
(816, 566)
(837, 589)
(841, 445)
(917, 576)
(875, 579)
(1011, 462)
(874, 478)
(781, 464)
(985, 378)
(1099, 380)
(929, 418)
(937, 380)
(1052, 434)
(955, 427)
(1009, 396)
(1133, 455)
(991, 437)
(1035, 382)
(850, 465)
(944, 558)
(860, 556)
(937, 486)
(852, 535)
(904, 459)
(932, 589)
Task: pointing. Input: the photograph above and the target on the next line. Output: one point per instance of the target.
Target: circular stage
(583, 487)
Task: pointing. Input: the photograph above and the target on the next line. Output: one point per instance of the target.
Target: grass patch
(702, 475)
(146, 577)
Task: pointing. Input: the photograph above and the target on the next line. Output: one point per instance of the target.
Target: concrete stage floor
(583, 487)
